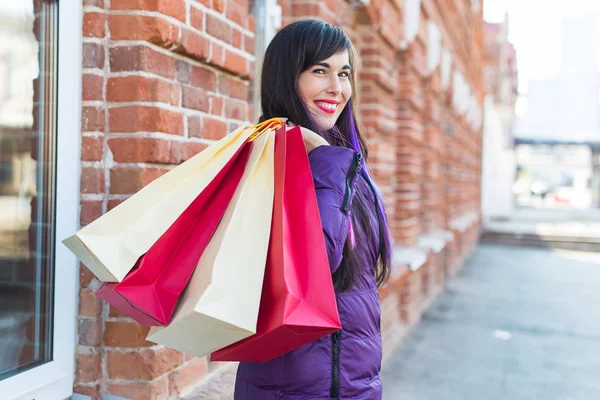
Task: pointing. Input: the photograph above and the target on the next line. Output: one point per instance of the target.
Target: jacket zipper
(349, 179)
(335, 366)
(335, 337)
(379, 218)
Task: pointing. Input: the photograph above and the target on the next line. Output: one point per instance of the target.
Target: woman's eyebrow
(326, 65)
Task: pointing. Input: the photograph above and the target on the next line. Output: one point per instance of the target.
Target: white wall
(498, 169)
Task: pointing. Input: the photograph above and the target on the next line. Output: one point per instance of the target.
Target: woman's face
(325, 88)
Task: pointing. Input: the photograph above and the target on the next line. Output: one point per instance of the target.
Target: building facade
(499, 162)
(94, 108)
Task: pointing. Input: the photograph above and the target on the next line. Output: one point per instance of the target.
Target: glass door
(39, 148)
(28, 60)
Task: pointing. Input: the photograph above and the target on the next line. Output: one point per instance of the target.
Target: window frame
(54, 380)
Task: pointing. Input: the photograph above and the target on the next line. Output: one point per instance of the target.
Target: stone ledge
(464, 222)
(435, 241)
(414, 258)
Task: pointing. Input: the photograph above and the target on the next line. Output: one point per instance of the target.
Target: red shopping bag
(298, 302)
(149, 293)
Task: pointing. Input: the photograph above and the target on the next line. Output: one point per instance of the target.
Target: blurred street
(515, 323)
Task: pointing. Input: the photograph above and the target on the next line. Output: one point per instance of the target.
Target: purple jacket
(344, 365)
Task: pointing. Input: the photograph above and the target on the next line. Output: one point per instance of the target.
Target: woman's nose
(334, 86)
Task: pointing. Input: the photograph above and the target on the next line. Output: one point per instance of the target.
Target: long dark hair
(293, 50)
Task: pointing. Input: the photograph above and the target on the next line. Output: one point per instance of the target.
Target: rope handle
(259, 129)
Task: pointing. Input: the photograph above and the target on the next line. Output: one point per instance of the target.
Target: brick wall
(162, 79)
(165, 78)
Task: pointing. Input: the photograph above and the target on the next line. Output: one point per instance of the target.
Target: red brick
(89, 304)
(138, 88)
(237, 14)
(89, 368)
(216, 105)
(113, 203)
(90, 211)
(311, 9)
(236, 109)
(242, 3)
(219, 5)
(193, 45)
(93, 55)
(125, 334)
(249, 44)
(190, 374)
(176, 152)
(197, 18)
(94, 24)
(143, 364)
(136, 150)
(91, 148)
(172, 8)
(233, 125)
(139, 27)
(236, 38)
(157, 390)
(212, 128)
(195, 98)
(85, 276)
(142, 58)
(218, 55)
(145, 119)
(172, 383)
(250, 70)
(95, 3)
(90, 390)
(92, 119)
(195, 126)
(251, 23)
(175, 34)
(92, 180)
(90, 331)
(191, 149)
(184, 71)
(218, 28)
(128, 180)
(236, 63)
(204, 78)
(92, 86)
(234, 88)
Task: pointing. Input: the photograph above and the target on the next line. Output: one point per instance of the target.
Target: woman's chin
(325, 124)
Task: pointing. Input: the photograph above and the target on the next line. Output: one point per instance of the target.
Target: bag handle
(259, 129)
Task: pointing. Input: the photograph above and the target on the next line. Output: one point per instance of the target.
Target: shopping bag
(298, 303)
(220, 303)
(149, 293)
(111, 245)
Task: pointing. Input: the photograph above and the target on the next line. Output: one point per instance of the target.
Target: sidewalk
(515, 324)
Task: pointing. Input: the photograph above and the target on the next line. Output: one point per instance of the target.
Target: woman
(309, 76)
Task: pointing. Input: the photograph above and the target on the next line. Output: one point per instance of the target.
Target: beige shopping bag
(111, 245)
(220, 304)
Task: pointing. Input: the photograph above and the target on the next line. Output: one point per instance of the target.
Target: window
(38, 278)
(268, 21)
(27, 191)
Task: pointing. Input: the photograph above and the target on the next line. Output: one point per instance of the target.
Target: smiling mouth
(327, 107)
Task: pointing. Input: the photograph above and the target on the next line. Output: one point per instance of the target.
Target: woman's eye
(344, 74)
(319, 71)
